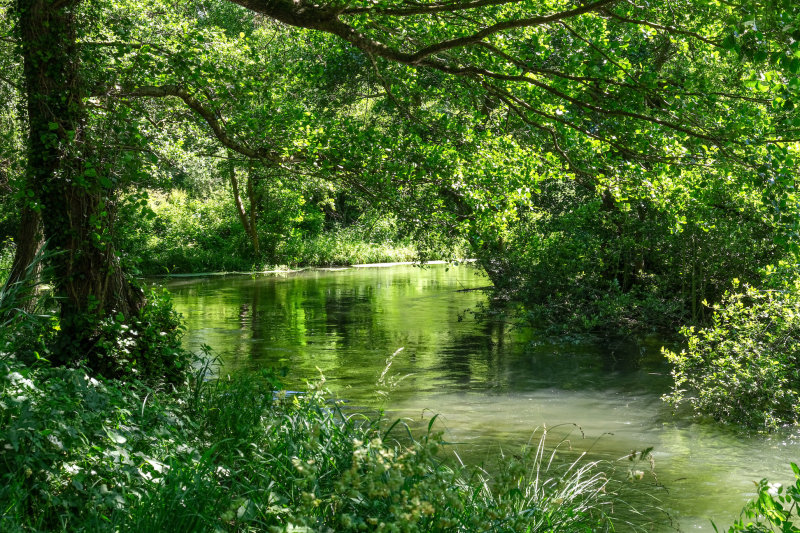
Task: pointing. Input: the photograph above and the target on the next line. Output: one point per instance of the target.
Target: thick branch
(302, 15)
(506, 25)
(427, 9)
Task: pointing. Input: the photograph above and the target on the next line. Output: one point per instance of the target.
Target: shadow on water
(492, 386)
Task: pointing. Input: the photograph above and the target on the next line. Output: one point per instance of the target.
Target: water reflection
(492, 386)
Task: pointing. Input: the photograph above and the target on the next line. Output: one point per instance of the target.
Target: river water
(491, 385)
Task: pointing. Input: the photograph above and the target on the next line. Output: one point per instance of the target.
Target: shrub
(146, 347)
(744, 368)
(581, 260)
(184, 234)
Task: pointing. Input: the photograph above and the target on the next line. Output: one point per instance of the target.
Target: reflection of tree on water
(345, 324)
(353, 317)
(472, 358)
(495, 356)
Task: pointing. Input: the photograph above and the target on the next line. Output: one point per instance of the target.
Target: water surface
(491, 386)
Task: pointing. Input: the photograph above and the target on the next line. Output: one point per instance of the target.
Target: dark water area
(491, 385)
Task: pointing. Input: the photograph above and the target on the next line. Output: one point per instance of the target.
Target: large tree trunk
(87, 275)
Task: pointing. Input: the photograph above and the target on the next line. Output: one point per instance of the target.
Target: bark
(87, 276)
(29, 242)
(248, 223)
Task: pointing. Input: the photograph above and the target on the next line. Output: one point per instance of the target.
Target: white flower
(772, 489)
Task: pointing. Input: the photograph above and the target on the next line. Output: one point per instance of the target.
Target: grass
(345, 246)
(6, 259)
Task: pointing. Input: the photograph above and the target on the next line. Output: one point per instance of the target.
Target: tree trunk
(248, 223)
(87, 275)
(29, 242)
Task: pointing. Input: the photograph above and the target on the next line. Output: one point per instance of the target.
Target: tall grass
(344, 246)
(6, 259)
(26, 320)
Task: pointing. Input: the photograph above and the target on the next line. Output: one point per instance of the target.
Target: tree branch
(667, 29)
(427, 9)
(210, 118)
(503, 26)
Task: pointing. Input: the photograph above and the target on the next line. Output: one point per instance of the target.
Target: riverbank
(183, 233)
(332, 268)
(82, 453)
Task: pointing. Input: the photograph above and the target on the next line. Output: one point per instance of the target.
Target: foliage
(580, 261)
(775, 509)
(145, 347)
(744, 367)
(186, 234)
(230, 454)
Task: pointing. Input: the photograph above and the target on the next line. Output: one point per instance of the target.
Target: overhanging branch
(163, 91)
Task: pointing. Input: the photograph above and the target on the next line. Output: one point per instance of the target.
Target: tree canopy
(460, 116)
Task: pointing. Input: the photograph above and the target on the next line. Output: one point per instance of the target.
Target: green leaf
(729, 42)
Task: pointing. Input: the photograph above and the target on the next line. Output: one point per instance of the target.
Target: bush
(146, 347)
(582, 261)
(184, 234)
(744, 368)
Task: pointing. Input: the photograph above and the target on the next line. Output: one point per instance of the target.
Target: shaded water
(490, 385)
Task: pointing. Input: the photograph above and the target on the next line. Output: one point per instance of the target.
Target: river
(491, 385)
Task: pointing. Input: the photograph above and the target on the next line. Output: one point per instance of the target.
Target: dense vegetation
(238, 455)
(614, 168)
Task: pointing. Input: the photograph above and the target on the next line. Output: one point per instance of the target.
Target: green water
(490, 385)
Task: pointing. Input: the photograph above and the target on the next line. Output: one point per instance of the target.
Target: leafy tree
(483, 100)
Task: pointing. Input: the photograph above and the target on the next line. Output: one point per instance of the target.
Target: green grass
(6, 259)
(345, 246)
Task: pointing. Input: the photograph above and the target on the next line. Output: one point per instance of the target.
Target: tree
(611, 94)
(67, 177)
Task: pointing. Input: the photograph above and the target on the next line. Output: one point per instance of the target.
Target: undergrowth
(181, 233)
(235, 454)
